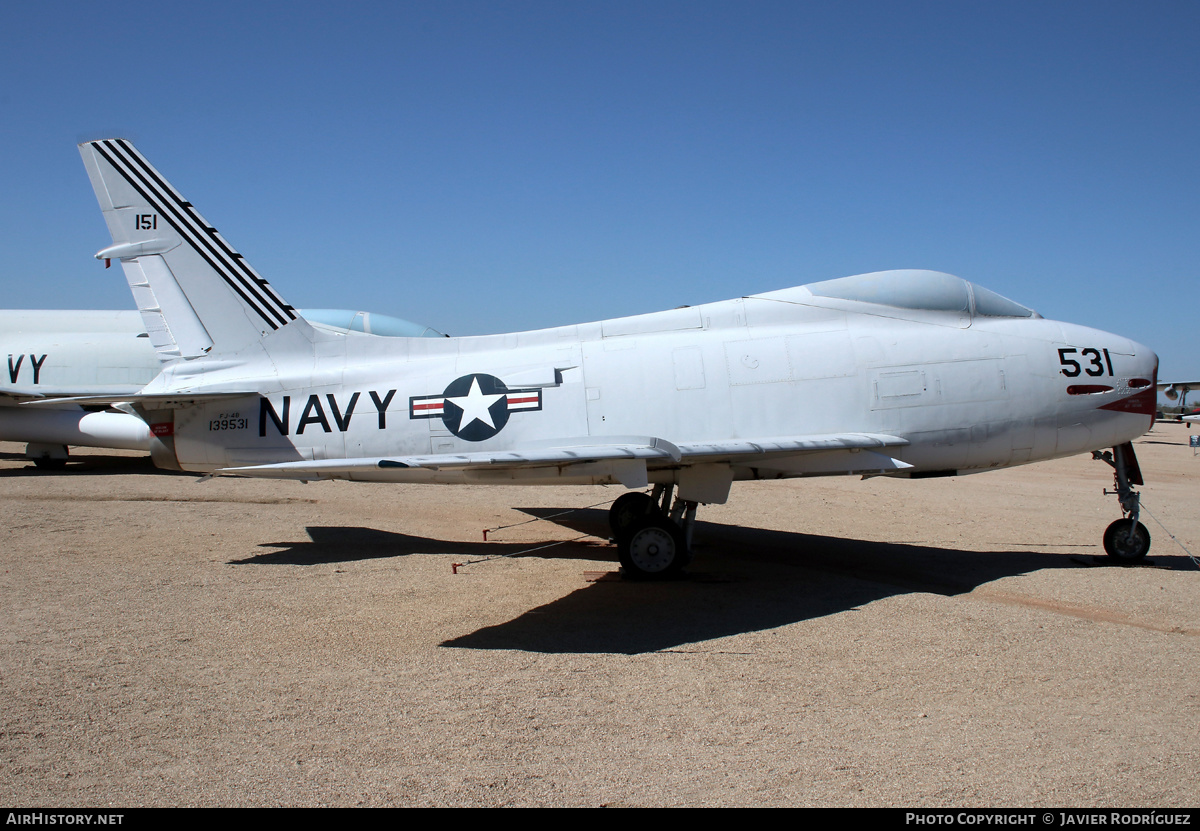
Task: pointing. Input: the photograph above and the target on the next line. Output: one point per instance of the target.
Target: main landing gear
(1126, 540)
(47, 456)
(654, 543)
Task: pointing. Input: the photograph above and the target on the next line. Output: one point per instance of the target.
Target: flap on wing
(335, 468)
(735, 449)
(658, 453)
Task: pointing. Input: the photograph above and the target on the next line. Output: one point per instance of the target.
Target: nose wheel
(1126, 540)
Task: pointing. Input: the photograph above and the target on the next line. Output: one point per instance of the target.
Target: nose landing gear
(1126, 540)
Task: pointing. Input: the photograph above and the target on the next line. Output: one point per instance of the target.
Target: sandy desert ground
(950, 642)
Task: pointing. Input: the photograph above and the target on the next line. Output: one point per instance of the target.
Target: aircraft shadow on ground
(93, 465)
(749, 579)
(343, 545)
(743, 580)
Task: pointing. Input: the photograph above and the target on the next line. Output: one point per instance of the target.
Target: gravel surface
(952, 642)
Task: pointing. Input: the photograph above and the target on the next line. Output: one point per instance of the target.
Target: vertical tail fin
(196, 294)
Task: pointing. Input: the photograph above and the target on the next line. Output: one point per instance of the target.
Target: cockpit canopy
(916, 289)
(369, 323)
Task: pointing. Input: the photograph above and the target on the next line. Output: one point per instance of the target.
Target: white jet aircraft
(901, 373)
(56, 353)
(64, 353)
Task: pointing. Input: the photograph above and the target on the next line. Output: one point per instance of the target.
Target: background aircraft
(904, 373)
(1178, 391)
(56, 353)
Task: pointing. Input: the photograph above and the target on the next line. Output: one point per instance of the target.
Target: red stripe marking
(1143, 403)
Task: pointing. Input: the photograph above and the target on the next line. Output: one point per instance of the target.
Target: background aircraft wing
(1172, 388)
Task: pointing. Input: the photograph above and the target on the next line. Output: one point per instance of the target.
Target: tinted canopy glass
(913, 289)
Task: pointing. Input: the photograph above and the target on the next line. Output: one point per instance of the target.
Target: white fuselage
(967, 393)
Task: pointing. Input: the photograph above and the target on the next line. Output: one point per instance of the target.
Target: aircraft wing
(629, 458)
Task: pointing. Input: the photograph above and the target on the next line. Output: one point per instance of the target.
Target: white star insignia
(475, 406)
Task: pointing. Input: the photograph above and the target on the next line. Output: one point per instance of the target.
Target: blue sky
(484, 167)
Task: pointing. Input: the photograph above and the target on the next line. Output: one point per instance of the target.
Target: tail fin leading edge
(197, 295)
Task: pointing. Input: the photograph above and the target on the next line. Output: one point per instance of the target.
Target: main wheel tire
(48, 463)
(628, 509)
(653, 549)
(1121, 546)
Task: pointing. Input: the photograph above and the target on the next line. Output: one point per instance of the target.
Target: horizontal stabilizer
(158, 401)
(45, 392)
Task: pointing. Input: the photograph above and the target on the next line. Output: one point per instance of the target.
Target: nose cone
(1107, 371)
(1139, 389)
(1107, 395)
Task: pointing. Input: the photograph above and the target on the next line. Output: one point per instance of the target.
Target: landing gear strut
(1126, 540)
(653, 543)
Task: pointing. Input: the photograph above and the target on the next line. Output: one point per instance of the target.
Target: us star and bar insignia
(475, 407)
